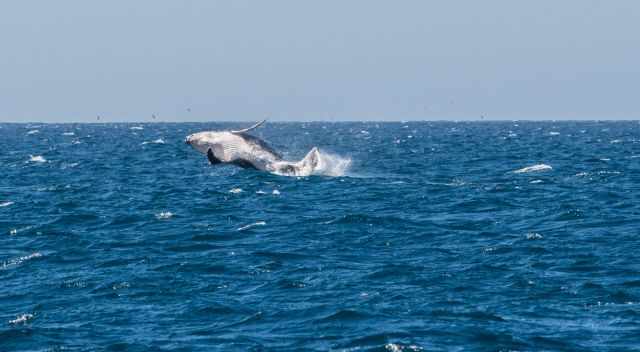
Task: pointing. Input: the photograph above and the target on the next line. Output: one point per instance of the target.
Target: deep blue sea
(441, 236)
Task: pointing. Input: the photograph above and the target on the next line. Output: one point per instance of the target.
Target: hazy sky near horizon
(326, 60)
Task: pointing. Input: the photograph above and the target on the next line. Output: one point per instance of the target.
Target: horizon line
(315, 121)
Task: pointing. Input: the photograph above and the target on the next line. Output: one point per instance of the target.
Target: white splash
(37, 159)
(33, 132)
(533, 168)
(331, 165)
(164, 215)
(536, 181)
(246, 227)
(21, 319)
(554, 133)
(275, 192)
(137, 128)
(235, 190)
(5, 204)
(261, 192)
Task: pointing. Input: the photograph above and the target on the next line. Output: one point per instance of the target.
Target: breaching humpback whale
(247, 151)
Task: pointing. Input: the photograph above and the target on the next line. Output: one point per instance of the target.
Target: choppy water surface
(440, 236)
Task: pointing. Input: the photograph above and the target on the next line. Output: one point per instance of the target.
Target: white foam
(235, 190)
(5, 204)
(164, 215)
(21, 319)
(68, 134)
(246, 227)
(37, 159)
(533, 168)
(536, 181)
(276, 192)
(554, 133)
(261, 192)
(33, 132)
(137, 128)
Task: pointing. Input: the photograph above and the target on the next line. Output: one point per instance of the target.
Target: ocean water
(478, 236)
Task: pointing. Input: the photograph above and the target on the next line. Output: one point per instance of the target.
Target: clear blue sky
(324, 60)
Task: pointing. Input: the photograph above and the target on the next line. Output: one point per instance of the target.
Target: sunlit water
(437, 236)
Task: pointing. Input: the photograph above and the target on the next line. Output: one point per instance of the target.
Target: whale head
(202, 141)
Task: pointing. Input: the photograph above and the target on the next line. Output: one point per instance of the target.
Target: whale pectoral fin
(212, 158)
(249, 128)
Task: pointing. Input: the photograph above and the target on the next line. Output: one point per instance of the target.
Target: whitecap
(5, 204)
(261, 192)
(616, 141)
(33, 132)
(581, 174)
(276, 192)
(554, 133)
(246, 227)
(235, 190)
(157, 141)
(533, 168)
(23, 318)
(164, 215)
(533, 236)
(37, 159)
(536, 181)
(17, 261)
(394, 347)
(136, 128)
(68, 134)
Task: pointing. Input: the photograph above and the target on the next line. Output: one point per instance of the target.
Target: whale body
(244, 150)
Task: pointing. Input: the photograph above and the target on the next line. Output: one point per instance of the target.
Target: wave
(533, 168)
(246, 227)
(37, 159)
(157, 141)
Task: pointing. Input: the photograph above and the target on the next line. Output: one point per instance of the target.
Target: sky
(236, 60)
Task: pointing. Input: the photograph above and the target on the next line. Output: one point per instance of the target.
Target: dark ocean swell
(477, 236)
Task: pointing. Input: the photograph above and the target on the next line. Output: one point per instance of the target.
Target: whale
(239, 148)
